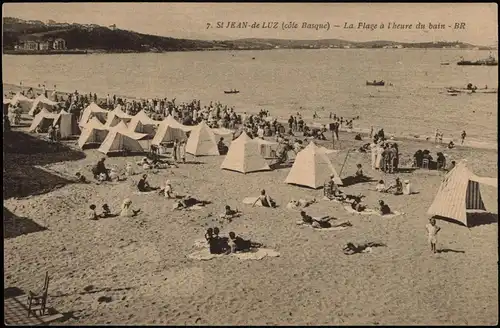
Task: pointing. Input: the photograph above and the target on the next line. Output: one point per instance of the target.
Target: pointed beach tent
(142, 123)
(93, 110)
(202, 142)
(43, 120)
(42, 102)
(24, 102)
(244, 156)
(119, 111)
(459, 191)
(116, 116)
(94, 133)
(170, 120)
(121, 139)
(312, 168)
(169, 131)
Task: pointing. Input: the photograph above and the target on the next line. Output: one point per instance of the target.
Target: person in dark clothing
(143, 185)
(100, 168)
(418, 157)
(213, 245)
(384, 208)
(239, 244)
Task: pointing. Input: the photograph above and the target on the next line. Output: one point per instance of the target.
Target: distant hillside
(111, 39)
(338, 43)
(96, 37)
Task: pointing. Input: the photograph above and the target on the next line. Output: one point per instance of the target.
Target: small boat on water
(376, 83)
(445, 63)
(490, 61)
(232, 91)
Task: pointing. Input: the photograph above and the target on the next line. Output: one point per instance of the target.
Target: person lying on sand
(351, 248)
(301, 203)
(384, 209)
(238, 244)
(81, 178)
(92, 213)
(357, 204)
(188, 201)
(323, 222)
(127, 211)
(229, 214)
(143, 185)
(265, 200)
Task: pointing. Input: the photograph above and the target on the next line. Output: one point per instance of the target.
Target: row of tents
(31, 106)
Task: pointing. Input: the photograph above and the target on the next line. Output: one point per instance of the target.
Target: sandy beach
(141, 263)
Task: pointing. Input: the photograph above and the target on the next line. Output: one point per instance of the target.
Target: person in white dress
(373, 149)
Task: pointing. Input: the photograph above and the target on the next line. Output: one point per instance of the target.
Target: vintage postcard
(250, 163)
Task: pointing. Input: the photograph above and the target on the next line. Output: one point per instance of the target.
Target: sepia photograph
(171, 163)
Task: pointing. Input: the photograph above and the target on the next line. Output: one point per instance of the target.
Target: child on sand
(92, 213)
(432, 231)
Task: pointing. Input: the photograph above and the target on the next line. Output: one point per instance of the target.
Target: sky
(189, 20)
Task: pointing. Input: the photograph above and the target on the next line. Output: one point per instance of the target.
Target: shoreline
(469, 143)
(104, 51)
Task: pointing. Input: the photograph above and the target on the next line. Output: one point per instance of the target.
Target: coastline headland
(318, 123)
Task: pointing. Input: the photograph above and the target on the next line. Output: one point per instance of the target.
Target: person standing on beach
(174, 149)
(371, 132)
(463, 137)
(432, 231)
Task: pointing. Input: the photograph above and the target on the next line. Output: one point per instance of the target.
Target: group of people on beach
(385, 156)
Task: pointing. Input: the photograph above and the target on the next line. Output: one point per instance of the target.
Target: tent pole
(345, 159)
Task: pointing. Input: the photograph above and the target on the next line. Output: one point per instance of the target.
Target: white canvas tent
(43, 120)
(312, 168)
(202, 142)
(459, 192)
(42, 102)
(142, 123)
(24, 102)
(244, 156)
(267, 148)
(93, 110)
(119, 111)
(120, 139)
(94, 133)
(116, 116)
(169, 130)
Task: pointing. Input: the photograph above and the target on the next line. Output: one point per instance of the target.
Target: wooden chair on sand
(38, 301)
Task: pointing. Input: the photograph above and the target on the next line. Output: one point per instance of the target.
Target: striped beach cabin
(459, 192)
